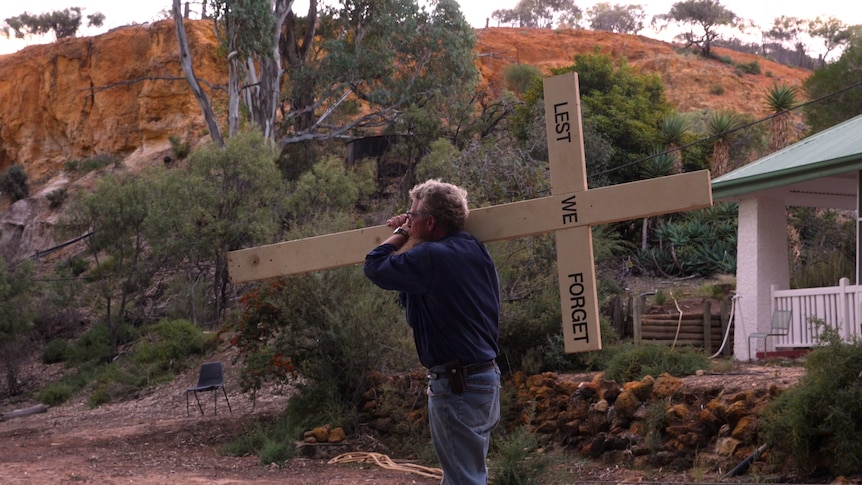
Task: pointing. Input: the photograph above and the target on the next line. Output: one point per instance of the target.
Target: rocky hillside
(123, 93)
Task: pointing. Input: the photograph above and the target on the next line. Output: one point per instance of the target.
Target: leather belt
(439, 372)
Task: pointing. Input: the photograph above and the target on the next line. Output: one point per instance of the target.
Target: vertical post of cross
(577, 278)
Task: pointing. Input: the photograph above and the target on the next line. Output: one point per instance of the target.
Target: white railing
(836, 306)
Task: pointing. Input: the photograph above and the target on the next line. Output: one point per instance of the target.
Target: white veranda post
(569, 212)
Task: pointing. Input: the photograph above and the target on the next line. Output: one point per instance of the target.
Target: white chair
(780, 327)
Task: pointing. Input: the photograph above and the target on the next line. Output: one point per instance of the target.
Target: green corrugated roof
(831, 152)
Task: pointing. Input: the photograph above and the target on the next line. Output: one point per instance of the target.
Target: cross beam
(569, 212)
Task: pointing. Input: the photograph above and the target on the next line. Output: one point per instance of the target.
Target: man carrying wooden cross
(569, 212)
(448, 284)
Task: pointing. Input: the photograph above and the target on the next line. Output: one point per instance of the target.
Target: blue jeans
(461, 425)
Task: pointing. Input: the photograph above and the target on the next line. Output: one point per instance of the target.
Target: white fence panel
(837, 306)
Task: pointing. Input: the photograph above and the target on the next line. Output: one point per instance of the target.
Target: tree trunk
(186, 61)
(778, 140)
(294, 54)
(18, 413)
(233, 93)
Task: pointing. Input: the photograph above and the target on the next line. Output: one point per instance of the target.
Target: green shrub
(83, 167)
(180, 148)
(276, 452)
(56, 393)
(552, 356)
(56, 351)
(519, 77)
(14, 183)
(272, 441)
(74, 267)
(95, 344)
(817, 422)
(170, 343)
(114, 383)
(629, 362)
(95, 163)
(526, 327)
(165, 350)
(333, 328)
(721, 289)
(516, 459)
(60, 391)
(57, 197)
(752, 67)
(701, 242)
(655, 423)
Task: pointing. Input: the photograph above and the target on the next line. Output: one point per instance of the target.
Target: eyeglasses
(411, 215)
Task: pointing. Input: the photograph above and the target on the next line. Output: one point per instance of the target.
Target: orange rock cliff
(123, 93)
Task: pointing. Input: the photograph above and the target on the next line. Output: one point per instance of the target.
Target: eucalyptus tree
(114, 216)
(623, 19)
(832, 31)
(62, 23)
(544, 14)
(343, 70)
(701, 18)
(17, 313)
(837, 89)
(786, 30)
(222, 199)
(189, 71)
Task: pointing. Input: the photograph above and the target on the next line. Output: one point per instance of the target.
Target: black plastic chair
(211, 379)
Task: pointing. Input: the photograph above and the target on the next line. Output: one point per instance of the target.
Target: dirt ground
(151, 441)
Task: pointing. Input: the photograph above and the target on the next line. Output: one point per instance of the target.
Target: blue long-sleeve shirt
(451, 292)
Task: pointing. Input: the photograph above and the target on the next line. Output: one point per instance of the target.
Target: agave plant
(780, 98)
(672, 130)
(721, 127)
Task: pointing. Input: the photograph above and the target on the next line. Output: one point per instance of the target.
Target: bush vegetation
(629, 362)
(13, 182)
(816, 424)
(87, 165)
(517, 459)
(156, 355)
(271, 440)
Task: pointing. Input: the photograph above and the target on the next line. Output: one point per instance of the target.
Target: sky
(119, 13)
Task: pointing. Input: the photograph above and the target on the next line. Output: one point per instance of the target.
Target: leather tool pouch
(457, 379)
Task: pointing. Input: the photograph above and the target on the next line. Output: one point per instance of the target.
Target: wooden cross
(569, 211)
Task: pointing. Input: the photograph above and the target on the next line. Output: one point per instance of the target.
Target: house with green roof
(821, 171)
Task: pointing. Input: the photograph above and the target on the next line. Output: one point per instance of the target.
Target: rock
(626, 405)
(337, 435)
(641, 389)
(114, 93)
(726, 446)
(745, 430)
(666, 386)
(321, 433)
